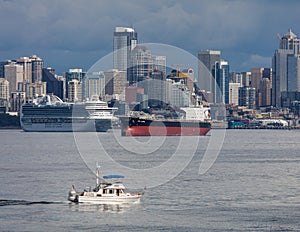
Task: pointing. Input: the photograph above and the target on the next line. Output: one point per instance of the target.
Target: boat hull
(145, 127)
(109, 200)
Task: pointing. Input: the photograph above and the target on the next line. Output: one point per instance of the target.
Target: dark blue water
(254, 185)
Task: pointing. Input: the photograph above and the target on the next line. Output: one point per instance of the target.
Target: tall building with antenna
(286, 70)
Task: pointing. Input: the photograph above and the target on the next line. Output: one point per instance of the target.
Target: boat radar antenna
(97, 173)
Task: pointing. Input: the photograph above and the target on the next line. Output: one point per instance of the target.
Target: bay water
(253, 185)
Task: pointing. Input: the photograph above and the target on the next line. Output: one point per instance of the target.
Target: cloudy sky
(77, 33)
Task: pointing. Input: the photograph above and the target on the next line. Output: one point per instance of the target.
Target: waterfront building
(125, 40)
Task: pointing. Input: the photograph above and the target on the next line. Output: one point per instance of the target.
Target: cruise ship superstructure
(50, 113)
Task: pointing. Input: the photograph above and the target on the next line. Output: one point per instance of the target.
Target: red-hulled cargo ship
(138, 124)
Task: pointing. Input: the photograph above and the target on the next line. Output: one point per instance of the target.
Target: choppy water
(253, 185)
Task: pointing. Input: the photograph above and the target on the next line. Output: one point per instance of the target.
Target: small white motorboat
(105, 192)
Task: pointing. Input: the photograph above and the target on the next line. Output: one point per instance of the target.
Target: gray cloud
(76, 33)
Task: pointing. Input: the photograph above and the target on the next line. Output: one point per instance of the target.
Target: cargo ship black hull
(134, 126)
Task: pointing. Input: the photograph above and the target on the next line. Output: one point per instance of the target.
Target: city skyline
(75, 34)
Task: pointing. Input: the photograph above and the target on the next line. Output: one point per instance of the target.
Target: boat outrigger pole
(97, 173)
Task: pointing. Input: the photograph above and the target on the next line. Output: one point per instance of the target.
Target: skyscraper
(14, 75)
(141, 64)
(221, 75)
(94, 85)
(54, 86)
(247, 97)
(206, 61)
(125, 40)
(37, 68)
(289, 46)
(27, 69)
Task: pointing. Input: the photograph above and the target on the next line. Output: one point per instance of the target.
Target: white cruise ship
(50, 113)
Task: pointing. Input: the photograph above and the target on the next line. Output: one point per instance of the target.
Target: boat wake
(4, 202)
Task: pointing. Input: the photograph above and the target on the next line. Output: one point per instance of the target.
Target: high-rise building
(4, 92)
(2, 65)
(289, 46)
(221, 76)
(16, 100)
(234, 93)
(293, 73)
(236, 77)
(75, 74)
(266, 88)
(155, 88)
(36, 88)
(256, 80)
(246, 78)
(94, 85)
(206, 61)
(14, 75)
(75, 91)
(37, 68)
(141, 64)
(247, 97)
(27, 69)
(125, 40)
(115, 83)
(54, 85)
(280, 70)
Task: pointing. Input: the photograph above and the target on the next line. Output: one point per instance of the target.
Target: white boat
(105, 192)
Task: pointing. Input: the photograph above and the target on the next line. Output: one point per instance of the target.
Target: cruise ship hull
(87, 125)
(173, 127)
